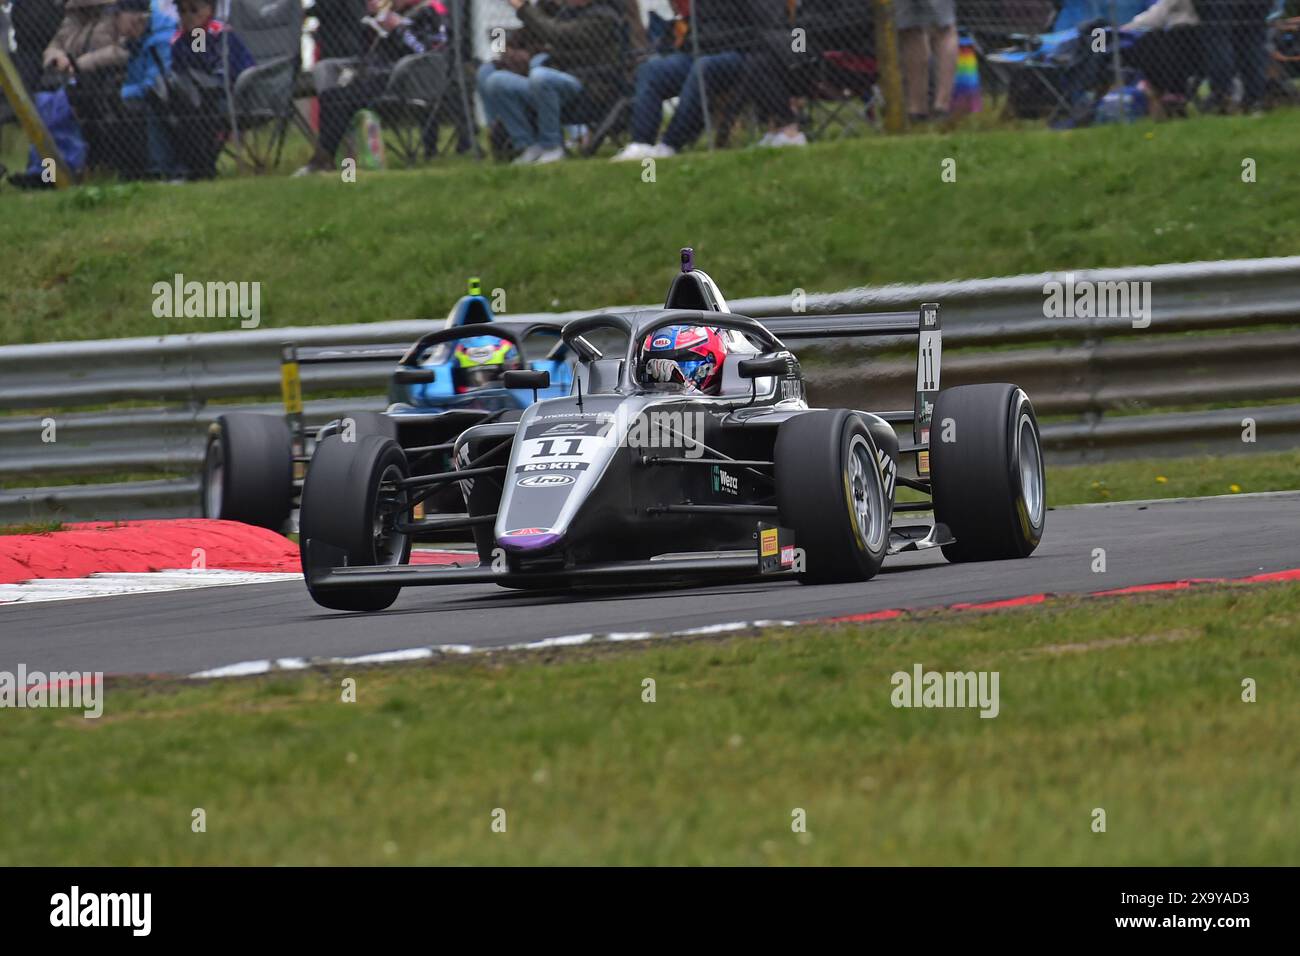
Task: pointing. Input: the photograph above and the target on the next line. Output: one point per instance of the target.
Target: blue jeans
(678, 74)
(520, 101)
(1237, 49)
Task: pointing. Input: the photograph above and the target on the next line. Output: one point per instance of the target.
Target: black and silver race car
(631, 482)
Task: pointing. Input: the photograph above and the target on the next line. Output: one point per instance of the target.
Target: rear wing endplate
(926, 324)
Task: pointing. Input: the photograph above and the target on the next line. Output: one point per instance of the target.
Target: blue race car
(448, 380)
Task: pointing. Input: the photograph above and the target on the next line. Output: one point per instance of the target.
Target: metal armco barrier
(1103, 371)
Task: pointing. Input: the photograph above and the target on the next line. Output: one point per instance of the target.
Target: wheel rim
(866, 494)
(214, 476)
(390, 503)
(1031, 470)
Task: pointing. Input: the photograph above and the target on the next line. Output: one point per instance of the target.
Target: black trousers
(340, 103)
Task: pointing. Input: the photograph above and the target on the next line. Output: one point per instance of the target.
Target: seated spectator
(1167, 52)
(409, 26)
(86, 43)
(197, 105)
(927, 29)
(1235, 42)
(575, 52)
(34, 24)
(768, 82)
(726, 31)
(340, 31)
(89, 58)
(143, 146)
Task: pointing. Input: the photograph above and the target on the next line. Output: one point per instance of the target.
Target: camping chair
(995, 25)
(1038, 69)
(263, 94)
(843, 94)
(411, 102)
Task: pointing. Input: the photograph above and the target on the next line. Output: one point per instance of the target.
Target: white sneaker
(661, 151)
(782, 138)
(550, 156)
(528, 156)
(766, 140)
(633, 151)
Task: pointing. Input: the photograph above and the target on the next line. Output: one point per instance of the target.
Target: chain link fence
(180, 89)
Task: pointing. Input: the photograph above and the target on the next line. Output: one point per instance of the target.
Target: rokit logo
(554, 466)
(544, 481)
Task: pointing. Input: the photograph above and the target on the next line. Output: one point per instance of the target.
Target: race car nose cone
(528, 539)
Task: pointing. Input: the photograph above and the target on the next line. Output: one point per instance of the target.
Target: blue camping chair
(1041, 70)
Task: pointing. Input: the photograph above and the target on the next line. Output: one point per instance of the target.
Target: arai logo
(544, 481)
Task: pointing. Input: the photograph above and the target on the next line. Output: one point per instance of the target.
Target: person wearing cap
(142, 148)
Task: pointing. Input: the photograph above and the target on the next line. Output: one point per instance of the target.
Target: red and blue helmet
(481, 361)
(688, 355)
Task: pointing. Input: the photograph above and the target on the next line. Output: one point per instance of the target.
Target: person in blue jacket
(147, 34)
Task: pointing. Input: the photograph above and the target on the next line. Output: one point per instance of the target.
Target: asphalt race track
(188, 631)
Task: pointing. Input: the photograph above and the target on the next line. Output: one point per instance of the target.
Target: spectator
(341, 32)
(34, 24)
(86, 42)
(1235, 38)
(143, 148)
(579, 51)
(207, 57)
(927, 29)
(726, 31)
(1167, 52)
(409, 26)
(90, 57)
(767, 80)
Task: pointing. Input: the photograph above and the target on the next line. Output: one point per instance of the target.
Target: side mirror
(526, 378)
(414, 376)
(763, 366)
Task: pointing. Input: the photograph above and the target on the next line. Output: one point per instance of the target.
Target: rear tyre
(989, 487)
(350, 503)
(829, 491)
(248, 470)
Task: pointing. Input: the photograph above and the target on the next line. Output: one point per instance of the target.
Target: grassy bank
(584, 234)
(1134, 707)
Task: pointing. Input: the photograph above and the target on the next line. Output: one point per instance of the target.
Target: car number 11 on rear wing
(929, 351)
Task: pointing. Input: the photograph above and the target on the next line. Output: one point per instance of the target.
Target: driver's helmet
(691, 356)
(481, 361)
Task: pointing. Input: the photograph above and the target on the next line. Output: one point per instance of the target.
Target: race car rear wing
(926, 324)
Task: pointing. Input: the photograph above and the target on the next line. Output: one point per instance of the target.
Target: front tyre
(986, 463)
(352, 501)
(829, 491)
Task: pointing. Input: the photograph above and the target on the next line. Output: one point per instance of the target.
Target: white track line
(110, 583)
(247, 668)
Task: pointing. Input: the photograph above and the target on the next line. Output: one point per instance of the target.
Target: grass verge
(1132, 706)
(399, 245)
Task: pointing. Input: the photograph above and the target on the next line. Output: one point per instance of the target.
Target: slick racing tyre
(350, 504)
(986, 464)
(248, 470)
(830, 492)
